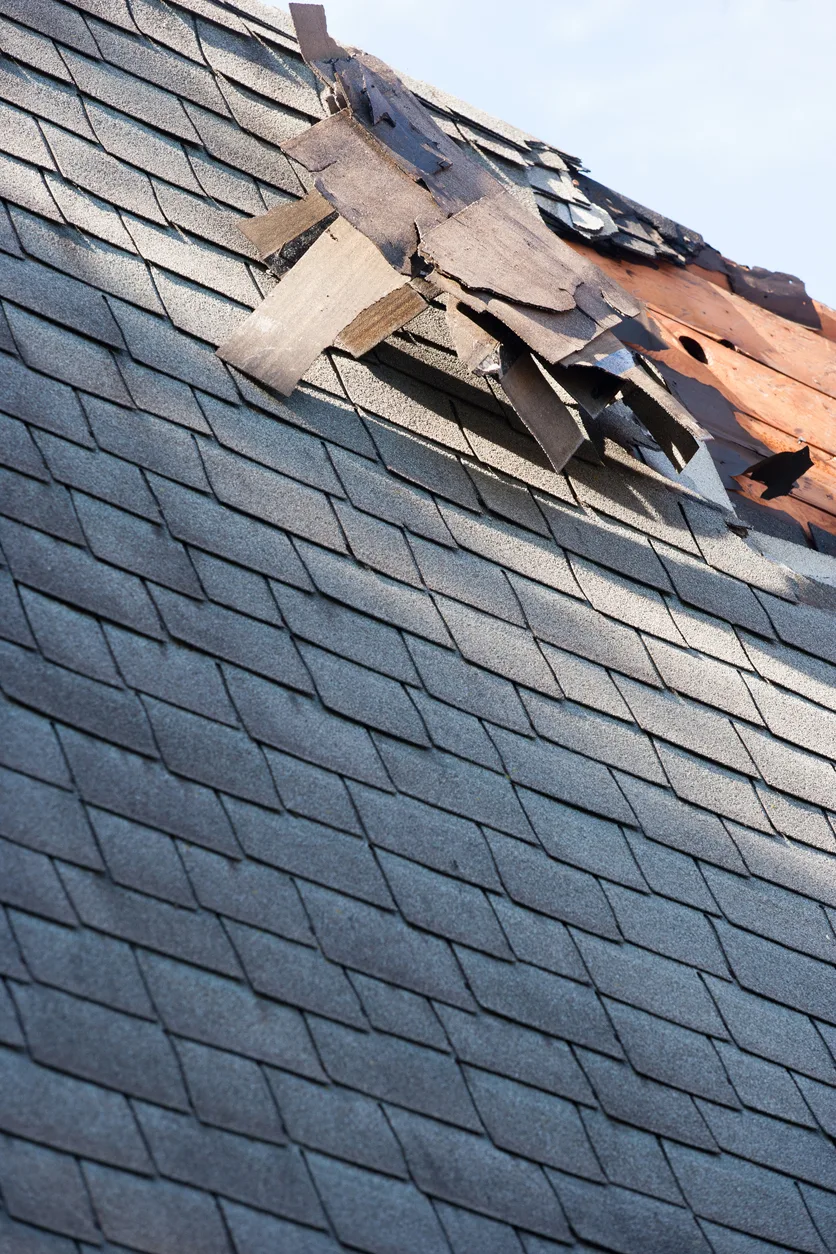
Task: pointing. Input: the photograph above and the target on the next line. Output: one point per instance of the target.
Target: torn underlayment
(399, 214)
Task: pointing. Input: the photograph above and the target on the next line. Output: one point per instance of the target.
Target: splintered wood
(340, 276)
(397, 206)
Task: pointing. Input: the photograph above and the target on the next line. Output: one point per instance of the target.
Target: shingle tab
(157, 1216)
(773, 1032)
(560, 773)
(229, 1091)
(65, 356)
(629, 1097)
(533, 879)
(616, 742)
(45, 1188)
(362, 1205)
(625, 1221)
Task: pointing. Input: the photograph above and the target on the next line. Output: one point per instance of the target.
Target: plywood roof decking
(401, 844)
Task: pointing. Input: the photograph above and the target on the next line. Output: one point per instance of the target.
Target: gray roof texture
(406, 849)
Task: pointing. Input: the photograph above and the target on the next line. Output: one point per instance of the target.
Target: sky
(719, 113)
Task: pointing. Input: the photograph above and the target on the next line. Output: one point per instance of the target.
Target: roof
(405, 847)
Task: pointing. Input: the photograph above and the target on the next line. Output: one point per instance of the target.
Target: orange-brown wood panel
(702, 305)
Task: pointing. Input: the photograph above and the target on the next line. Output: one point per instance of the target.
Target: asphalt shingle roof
(404, 848)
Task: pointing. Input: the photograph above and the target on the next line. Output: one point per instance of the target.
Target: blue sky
(720, 113)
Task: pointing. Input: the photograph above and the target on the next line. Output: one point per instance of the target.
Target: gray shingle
(171, 672)
(792, 770)
(671, 873)
(507, 498)
(687, 724)
(468, 1231)
(178, 74)
(69, 638)
(466, 1169)
(251, 62)
(443, 905)
(667, 928)
(132, 95)
(83, 963)
(195, 214)
(66, 356)
(225, 1014)
(248, 892)
(560, 773)
(653, 1107)
(226, 634)
(588, 536)
(626, 1221)
(538, 939)
(623, 599)
(337, 1121)
(512, 548)
(45, 1188)
(663, 1051)
(44, 97)
(809, 676)
(196, 937)
(377, 544)
(155, 1216)
(498, 646)
(376, 492)
(101, 173)
(479, 692)
(396, 1071)
(443, 780)
(582, 840)
(142, 858)
(311, 850)
(225, 184)
(272, 497)
(701, 677)
(30, 745)
(47, 503)
(312, 792)
(630, 1157)
(286, 720)
(796, 818)
(797, 867)
(665, 818)
(454, 730)
(773, 912)
(695, 779)
(200, 521)
(821, 1208)
(204, 264)
(84, 703)
(226, 141)
(271, 1177)
(10, 1031)
(13, 622)
(296, 974)
(254, 1231)
(273, 443)
(534, 879)
(58, 20)
(733, 1192)
(573, 625)
(154, 342)
(142, 790)
(708, 635)
(172, 28)
(344, 631)
(147, 441)
(800, 1152)
(229, 1091)
(430, 467)
(68, 1114)
(709, 590)
(533, 1125)
(42, 402)
(773, 1032)
(320, 412)
(30, 882)
(209, 753)
(539, 999)
(818, 1097)
(24, 185)
(610, 740)
(767, 1087)
(19, 450)
(509, 1049)
(21, 136)
(236, 588)
(364, 695)
(136, 545)
(63, 299)
(92, 215)
(468, 578)
(783, 975)
(650, 982)
(24, 45)
(113, 1049)
(585, 682)
(398, 1011)
(368, 1210)
(380, 944)
(11, 962)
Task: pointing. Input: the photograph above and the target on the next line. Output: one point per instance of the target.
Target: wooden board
(383, 318)
(285, 222)
(339, 276)
(541, 409)
(698, 303)
(359, 179)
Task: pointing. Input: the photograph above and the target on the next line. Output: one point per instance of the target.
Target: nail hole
(693, 347)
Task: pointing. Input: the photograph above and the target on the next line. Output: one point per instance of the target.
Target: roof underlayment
(406, 847)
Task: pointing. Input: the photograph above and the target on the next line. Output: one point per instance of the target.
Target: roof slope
(404, 847)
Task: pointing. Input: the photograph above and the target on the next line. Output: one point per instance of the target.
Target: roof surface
(406, 848)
